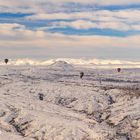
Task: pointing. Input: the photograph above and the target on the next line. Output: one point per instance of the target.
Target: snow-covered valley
(104, 105)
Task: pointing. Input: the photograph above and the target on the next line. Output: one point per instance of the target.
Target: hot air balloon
(119, 69)
(81, 74)
(41, 96)
(6, 61)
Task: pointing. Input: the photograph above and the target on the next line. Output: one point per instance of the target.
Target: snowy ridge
(97, 63)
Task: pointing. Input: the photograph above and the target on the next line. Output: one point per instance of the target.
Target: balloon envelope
(6, 61)
(81, 74)
(119, 69)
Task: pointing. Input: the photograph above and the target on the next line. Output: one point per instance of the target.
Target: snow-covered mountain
(61, 65)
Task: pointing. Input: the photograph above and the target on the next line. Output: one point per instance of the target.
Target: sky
(91, 29)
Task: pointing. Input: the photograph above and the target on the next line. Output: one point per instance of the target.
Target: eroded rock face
(70, 110)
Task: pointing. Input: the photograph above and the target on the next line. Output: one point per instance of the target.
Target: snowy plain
(104, 105)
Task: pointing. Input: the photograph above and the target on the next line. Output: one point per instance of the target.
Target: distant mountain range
(68, 63)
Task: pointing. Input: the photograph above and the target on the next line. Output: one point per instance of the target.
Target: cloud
(100, 15)
(99, 2)
(122, 20)
(30, 33)
(103, 2)
(85, 25)
(43, 6)
(16, 41)
(15, 34)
